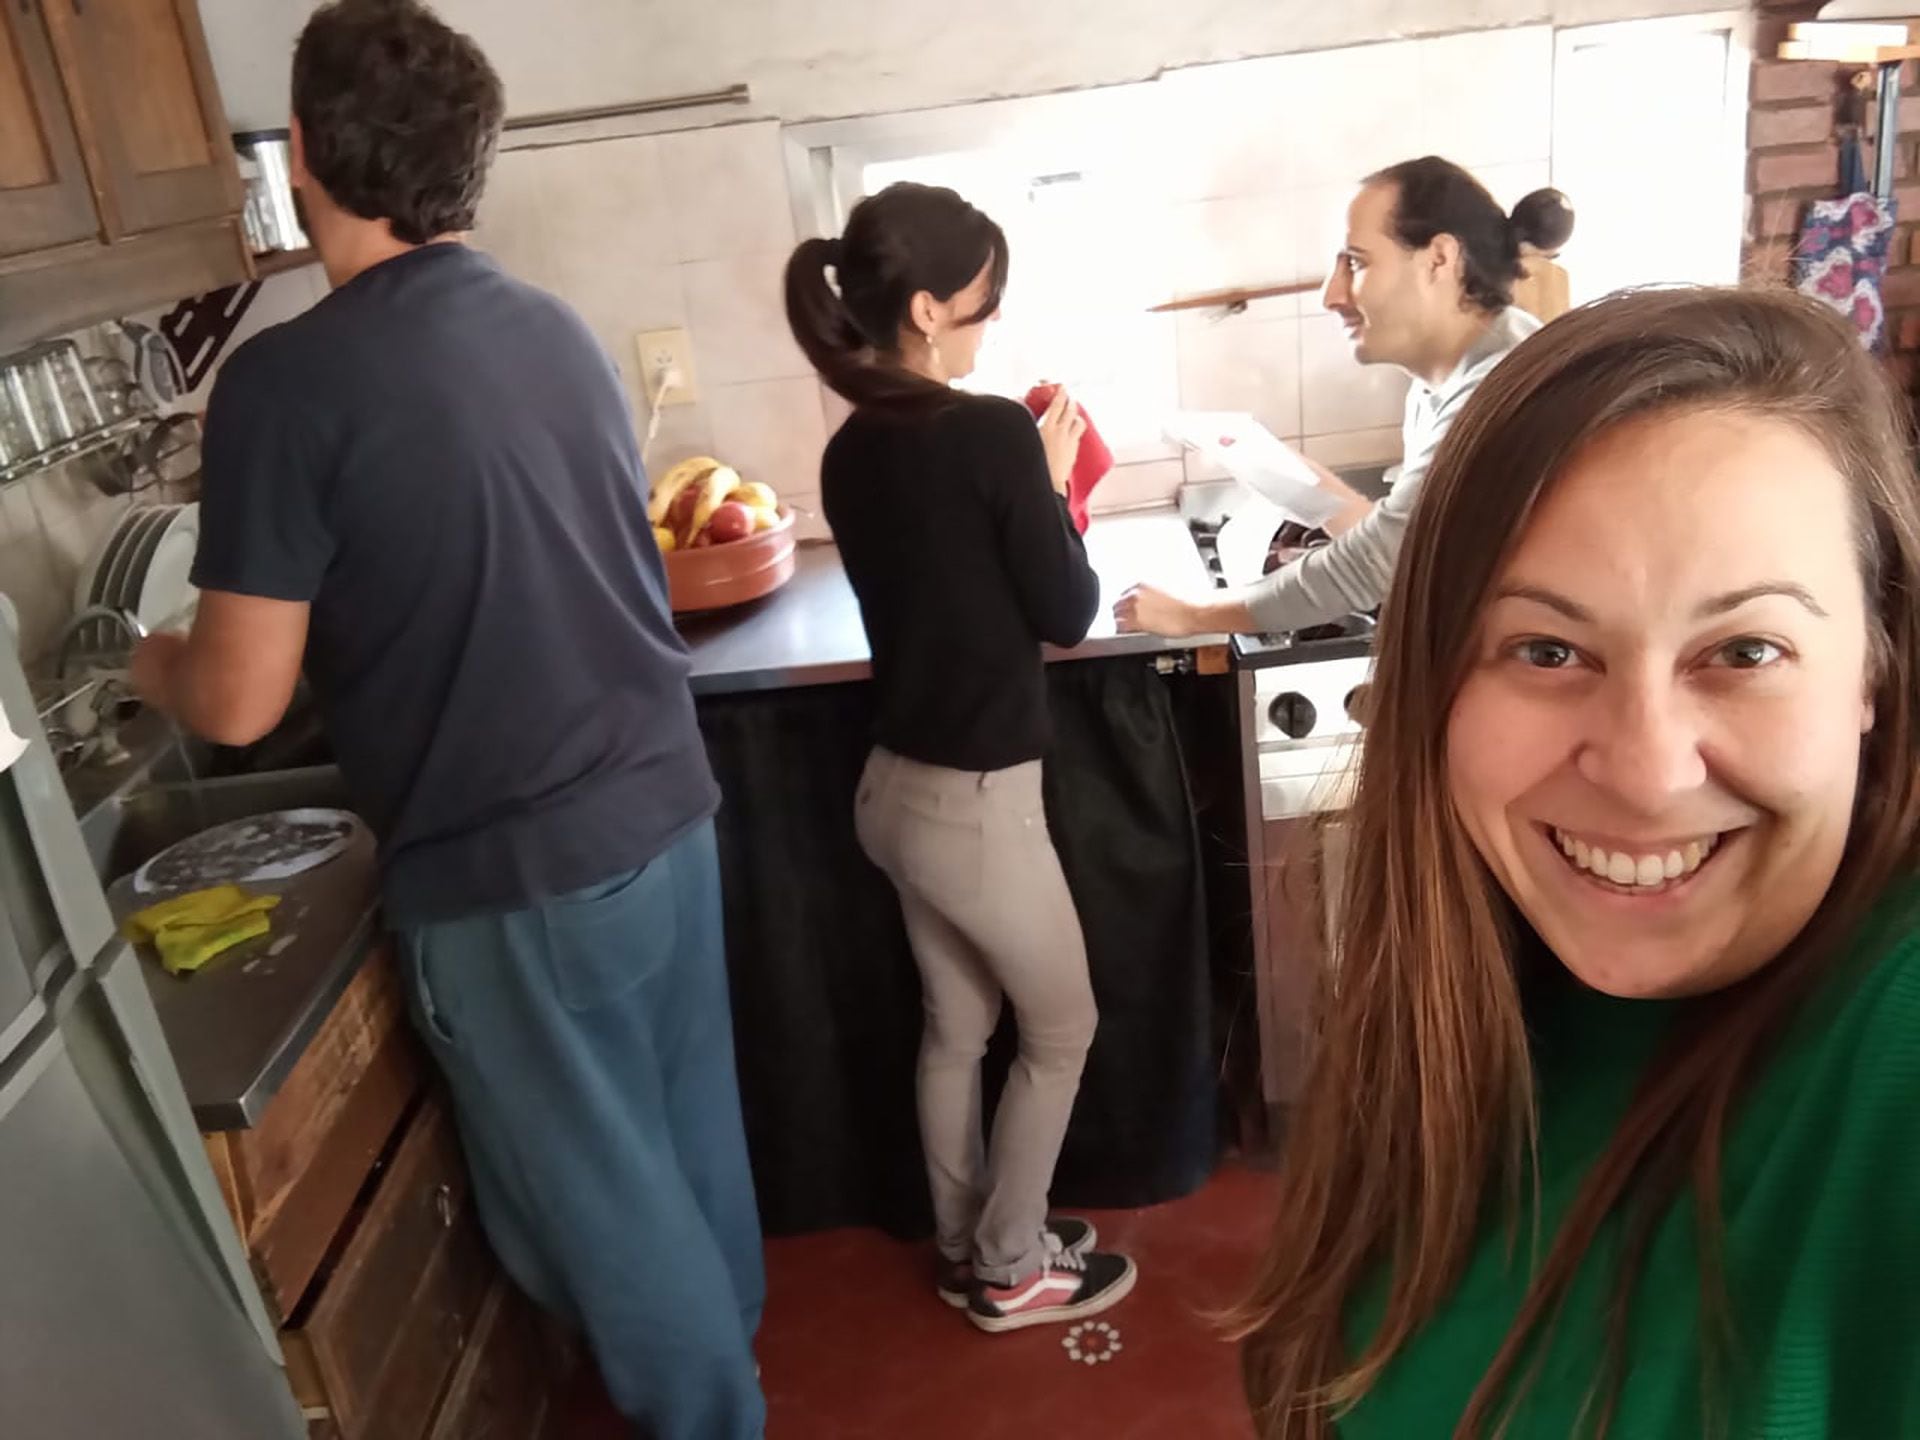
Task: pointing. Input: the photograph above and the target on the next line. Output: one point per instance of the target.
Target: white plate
(1259, 460)
(166, 590)
(12, 746)
(260, 850)
(117, 587)
(131, 563)
(87, 592)
(1246, 539)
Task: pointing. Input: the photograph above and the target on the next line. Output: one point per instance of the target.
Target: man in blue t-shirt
(426, 492)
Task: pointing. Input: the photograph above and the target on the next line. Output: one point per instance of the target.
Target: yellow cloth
(191, 929)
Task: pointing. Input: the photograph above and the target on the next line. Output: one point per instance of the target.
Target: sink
(127, 830)
(151, 749)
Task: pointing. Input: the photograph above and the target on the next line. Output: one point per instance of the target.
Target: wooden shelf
(278, 262)
(1238, 299)
(1849, 54)
(1841, 42)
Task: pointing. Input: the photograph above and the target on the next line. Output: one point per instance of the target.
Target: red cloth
(1090, 466)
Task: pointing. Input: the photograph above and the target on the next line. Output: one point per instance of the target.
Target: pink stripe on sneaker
(1042, 1285)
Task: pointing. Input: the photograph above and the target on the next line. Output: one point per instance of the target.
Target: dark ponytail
(906, 239)
(1437, 197)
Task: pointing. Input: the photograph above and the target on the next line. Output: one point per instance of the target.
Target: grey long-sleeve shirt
(1355, 570)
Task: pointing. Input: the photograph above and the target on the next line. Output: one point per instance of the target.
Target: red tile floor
(856, 1347)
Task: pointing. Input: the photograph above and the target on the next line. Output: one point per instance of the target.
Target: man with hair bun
(1425, 282)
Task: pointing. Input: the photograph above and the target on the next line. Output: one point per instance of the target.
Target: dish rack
(82, 715)
(57, 406)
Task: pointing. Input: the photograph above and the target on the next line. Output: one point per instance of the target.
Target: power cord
(666, 380)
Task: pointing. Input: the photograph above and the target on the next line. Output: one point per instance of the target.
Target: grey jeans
(988, 914)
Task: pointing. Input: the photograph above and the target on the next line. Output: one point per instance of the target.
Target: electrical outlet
(664, 353)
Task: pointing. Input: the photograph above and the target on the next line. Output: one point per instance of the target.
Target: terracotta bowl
(719, 576)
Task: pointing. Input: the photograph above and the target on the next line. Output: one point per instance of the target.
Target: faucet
(85, 623)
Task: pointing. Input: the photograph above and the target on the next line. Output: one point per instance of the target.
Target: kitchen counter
(238, 1027)
(809, 632)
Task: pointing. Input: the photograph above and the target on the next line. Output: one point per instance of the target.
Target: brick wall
(1792, 158)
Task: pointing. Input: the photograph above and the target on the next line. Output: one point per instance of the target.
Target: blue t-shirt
(441, 461)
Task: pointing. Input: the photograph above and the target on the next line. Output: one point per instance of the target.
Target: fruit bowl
(715, 577)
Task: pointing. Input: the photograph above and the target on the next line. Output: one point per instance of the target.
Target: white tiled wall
(1237, 176)
(687, 229)
(736, 313)
(1247, 362)
(1263, 201)
(1245, 183)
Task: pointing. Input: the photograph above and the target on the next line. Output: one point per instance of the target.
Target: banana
(755, 496)
(660, 497)
(715, 485)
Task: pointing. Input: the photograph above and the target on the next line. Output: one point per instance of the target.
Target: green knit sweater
(1822, 1233)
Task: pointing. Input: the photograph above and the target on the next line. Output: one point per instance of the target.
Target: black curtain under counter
(826, 997)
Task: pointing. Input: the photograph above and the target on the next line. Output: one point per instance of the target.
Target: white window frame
(826, 161)
(1728, 175)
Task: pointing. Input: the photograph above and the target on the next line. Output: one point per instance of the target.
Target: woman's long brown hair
(1419, 1108)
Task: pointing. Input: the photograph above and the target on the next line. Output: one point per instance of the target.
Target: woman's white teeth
(1642, 871)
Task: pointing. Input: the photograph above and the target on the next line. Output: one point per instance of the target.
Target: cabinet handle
(443, 1205)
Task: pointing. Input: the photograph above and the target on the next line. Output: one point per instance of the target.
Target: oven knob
(1358, 700)
(1293, 715)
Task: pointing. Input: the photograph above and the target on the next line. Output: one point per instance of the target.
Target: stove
(1348, 637)
(1303, 696)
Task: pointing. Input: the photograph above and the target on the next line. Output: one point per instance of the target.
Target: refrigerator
(127, 1308)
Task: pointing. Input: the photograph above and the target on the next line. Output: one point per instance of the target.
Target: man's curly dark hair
(399, 115)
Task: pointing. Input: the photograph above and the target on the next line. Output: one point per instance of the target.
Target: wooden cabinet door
(45, 200)
(149, 112)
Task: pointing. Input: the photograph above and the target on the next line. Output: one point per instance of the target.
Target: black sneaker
(1067, 1287)
(1070, 1233)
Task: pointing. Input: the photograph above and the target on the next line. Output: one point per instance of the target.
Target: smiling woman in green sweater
(1629, 989)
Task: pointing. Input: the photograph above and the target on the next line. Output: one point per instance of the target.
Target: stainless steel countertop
(238, 1027)
(809, 632)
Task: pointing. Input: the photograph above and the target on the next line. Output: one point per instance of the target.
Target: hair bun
(1543, 220)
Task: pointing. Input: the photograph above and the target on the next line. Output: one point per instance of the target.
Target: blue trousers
(588, 1043)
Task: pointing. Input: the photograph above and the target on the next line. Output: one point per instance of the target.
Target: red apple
(680, 513)
(731, 521)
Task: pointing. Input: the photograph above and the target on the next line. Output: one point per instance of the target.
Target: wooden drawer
(389, 1322)
(503, 1386)
(291, 1181)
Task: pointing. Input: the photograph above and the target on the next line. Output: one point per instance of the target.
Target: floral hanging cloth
(1843, 248)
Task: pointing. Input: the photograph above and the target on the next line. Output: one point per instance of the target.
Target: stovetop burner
(1336, 639)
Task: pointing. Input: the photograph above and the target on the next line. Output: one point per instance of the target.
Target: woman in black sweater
(950, 514)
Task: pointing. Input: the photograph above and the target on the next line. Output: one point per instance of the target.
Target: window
(1649, 142)
(1055, 173)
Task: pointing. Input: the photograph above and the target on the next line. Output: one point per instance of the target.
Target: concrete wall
(812, 59)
